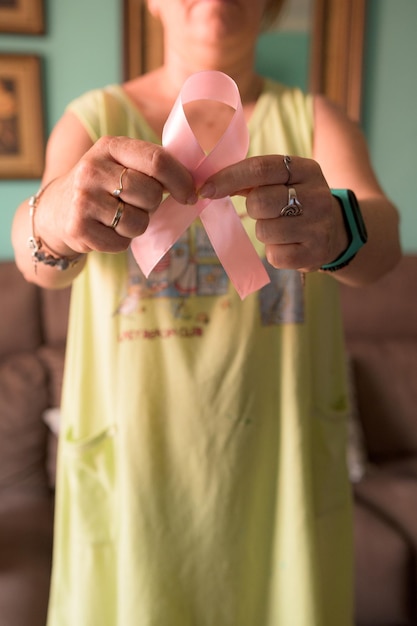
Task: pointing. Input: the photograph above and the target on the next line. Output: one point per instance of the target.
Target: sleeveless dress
(202, 476)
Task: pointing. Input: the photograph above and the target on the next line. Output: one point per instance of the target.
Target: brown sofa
(381, 328)
(381, 332)
(32, 343)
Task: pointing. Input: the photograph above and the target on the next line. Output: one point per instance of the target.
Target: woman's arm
(342, 152)
(75, 212)
(68, 142)
(318, 236)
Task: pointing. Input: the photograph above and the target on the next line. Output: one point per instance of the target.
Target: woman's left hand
(305, 241)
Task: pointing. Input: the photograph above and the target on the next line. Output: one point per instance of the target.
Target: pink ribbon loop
(221, 222)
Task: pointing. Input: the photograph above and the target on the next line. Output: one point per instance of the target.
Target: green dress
(202, 477)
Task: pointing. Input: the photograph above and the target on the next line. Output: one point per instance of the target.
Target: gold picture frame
(143, 46)
(22, 16)
(336, 56)
(338, 36)
(22, 141)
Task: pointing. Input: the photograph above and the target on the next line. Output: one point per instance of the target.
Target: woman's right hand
(75, 213)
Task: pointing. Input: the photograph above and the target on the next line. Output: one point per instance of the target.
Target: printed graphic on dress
(282, 300)
(191, 268)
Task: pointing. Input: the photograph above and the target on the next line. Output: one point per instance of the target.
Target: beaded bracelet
(35, 243)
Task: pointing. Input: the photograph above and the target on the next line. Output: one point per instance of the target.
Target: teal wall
(390, 105)
(82, 50)
(285, 57)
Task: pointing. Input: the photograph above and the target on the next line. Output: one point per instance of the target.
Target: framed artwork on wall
(337, 41)
(22, 141)
(143, 47)
(22, 16)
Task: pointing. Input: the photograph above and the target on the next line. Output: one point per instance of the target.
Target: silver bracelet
(35, 244)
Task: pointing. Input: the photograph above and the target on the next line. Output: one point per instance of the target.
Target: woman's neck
(155, 93)
(176, 70)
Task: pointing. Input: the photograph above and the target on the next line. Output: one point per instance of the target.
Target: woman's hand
(77, 210)
(304, 242)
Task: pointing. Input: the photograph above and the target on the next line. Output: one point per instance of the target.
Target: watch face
(357, 215)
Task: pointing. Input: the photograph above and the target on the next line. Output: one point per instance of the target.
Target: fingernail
(192, 199)
(208, 190)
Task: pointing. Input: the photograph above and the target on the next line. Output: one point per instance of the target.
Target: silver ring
(116, 192)
(294, 206)
(118, 215)
(287, 161)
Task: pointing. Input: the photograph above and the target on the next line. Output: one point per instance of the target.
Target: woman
(202, 476)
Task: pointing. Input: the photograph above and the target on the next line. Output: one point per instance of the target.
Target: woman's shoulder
(96, 95)
(107, 111)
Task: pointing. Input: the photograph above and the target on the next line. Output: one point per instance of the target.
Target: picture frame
(22, 141)
(143, 45)
(336, 54)
(22, 16)
(338, 41)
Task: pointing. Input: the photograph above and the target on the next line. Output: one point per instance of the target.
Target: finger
(155, 162)
(289, 256)
(88, 223)
(131, 221)
(241, 177)
(138, 189)
(89, 234)
(280, 231)
(112, 230)
(266, 202)
(297, 256)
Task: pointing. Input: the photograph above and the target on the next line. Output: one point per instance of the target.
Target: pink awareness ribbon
(220, 220)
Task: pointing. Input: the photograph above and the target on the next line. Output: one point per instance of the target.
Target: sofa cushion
(26, 531)
(23, 434)
(385, 373)
(20, 329)
(393, 483)
(384, 571)
(386, 308)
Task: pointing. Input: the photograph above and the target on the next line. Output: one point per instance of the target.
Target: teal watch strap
(355, 228)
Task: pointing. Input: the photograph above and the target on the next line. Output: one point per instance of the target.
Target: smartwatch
(355, 228)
